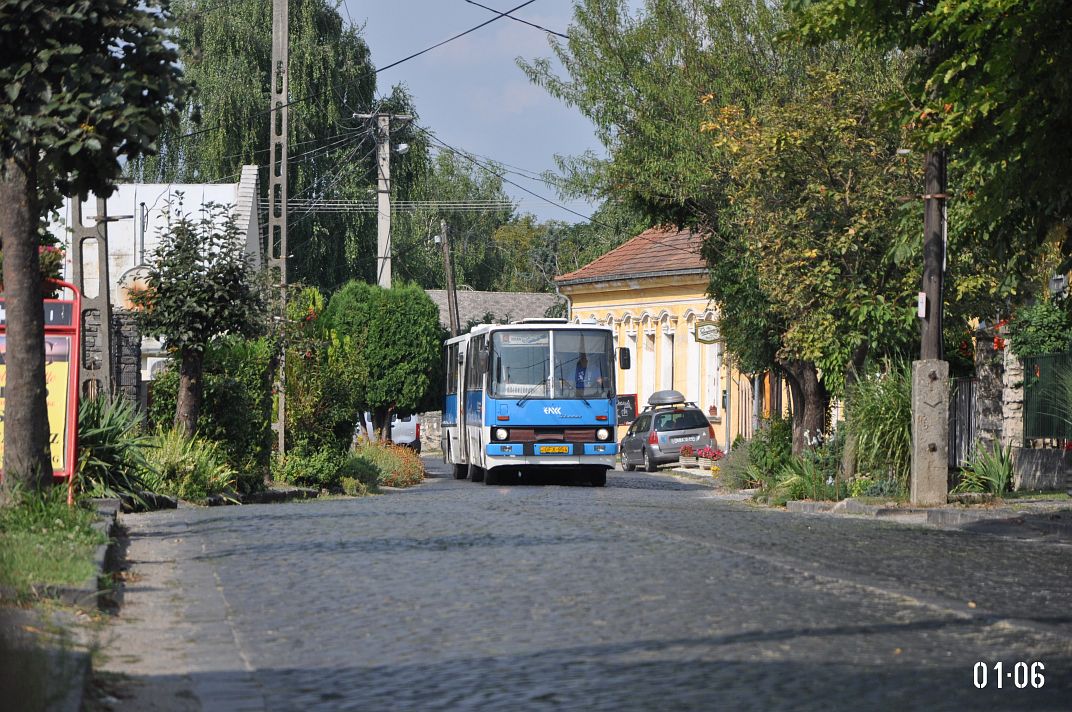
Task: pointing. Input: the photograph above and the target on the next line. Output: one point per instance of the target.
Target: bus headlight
(501, 434)
(602, 434)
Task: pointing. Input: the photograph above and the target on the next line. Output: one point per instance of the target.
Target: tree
(84, 85)
(396, 335)
(984, 80)
(478, 262)
(199, 286)
(226, 52)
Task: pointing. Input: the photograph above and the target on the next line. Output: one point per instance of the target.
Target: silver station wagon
(656, 436)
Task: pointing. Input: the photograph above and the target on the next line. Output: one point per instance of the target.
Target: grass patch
(1048, 496)
(46, 543)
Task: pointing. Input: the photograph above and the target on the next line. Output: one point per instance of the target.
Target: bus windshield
(521, 364)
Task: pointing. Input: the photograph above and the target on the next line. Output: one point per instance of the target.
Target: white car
(405, 430)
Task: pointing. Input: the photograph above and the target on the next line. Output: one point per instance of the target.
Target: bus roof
(526, 325)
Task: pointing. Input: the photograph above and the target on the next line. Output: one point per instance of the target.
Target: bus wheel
(461, 472)
(475, 473)
(491, 476)
(598, 478)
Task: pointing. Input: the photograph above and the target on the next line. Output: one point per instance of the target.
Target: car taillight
(653, 439)
(418, 430)
(711, 431)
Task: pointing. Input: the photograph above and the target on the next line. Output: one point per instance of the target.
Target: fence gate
(963, 423)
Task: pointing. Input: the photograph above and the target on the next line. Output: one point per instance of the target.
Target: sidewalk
(1041, 519)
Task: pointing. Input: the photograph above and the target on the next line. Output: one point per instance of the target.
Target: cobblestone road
(650, 594)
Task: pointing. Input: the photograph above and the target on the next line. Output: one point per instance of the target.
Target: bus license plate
(554, 449)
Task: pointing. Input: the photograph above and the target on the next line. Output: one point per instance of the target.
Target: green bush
(236, 410)
(397, 466)
(1042, 328)
(189, 468)
(768, 452)
(879, 410)
(321, 468)
(988, 470)
(111, 447)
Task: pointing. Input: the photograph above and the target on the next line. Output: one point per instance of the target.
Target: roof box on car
(666, 398)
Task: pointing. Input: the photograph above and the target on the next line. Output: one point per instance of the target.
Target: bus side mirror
(624, 361)
(485, 359)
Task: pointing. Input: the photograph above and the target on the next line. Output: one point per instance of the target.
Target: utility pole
(383, 193)
(277, 192)
(448, 270)
(934, 239)
(930, 375)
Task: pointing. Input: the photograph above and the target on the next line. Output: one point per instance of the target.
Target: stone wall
(1012, 401)
(125, 359)
(126, 371)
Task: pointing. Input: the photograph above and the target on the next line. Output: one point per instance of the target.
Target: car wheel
(626, 465)
(475, 473)
(461, 472)
(649, 464)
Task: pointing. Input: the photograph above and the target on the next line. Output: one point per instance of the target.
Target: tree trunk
(26, 461)
(809, 399)
(191, 388)
(852, 375)
(381, 423)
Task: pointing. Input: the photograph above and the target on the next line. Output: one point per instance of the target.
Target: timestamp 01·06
(1020, 674)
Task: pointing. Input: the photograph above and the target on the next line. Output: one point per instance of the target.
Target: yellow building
(652, 290)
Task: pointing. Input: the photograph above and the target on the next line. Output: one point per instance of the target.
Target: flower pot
(686, 461)
(705, 463)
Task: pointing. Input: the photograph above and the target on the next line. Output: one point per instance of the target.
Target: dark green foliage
(84, 84)
(111, 448)
(188, 467)
(395, 337)
(236, 410)
(317, 468)
(200, 282)
(1042, 328)
(326, 379)
(768, 452)
(880, 418)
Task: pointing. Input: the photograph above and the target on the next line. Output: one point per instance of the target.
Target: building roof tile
(658, 250)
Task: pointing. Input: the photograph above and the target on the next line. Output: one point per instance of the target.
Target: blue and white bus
(537, 395)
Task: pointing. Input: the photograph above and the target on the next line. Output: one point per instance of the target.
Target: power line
(376, 71)
(518, 19)
(498, 16)
(502, 177)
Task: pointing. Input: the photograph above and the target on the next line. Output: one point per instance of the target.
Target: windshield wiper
(531, 391)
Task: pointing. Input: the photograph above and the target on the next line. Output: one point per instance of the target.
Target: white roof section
(136, 214)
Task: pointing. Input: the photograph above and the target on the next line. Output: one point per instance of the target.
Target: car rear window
(680, 420)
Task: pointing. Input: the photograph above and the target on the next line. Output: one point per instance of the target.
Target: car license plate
(554, 449)
(686, 439)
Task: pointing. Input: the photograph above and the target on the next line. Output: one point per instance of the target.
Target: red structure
(63, 343)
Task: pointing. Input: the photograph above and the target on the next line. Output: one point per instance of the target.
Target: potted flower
(706, 456)
(687, 456)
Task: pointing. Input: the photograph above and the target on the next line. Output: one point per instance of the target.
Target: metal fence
(963, 421)
(1048, 396)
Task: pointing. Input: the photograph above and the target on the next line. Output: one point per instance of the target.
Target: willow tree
(225, 49)
(84, 85)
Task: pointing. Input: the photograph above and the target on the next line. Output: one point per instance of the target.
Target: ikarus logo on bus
(555, 410)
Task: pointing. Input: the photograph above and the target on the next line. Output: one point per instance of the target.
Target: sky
(471, 92)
